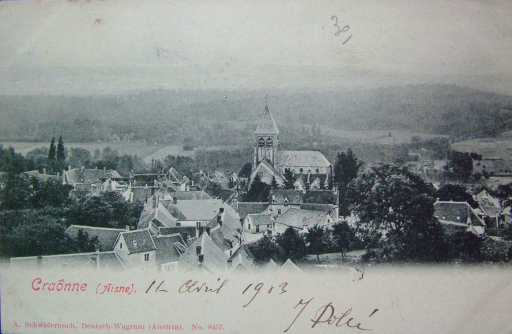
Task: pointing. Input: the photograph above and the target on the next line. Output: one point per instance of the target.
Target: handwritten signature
(340, 30)
(327, 315)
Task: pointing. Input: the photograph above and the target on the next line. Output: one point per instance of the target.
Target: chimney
(221, 210)
(127, 227)
(201, 258)
(198, 250)
(154, 202)
(198, 227)
(207, 230)
(175, 200)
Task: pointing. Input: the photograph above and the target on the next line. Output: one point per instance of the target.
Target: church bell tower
(267, 141)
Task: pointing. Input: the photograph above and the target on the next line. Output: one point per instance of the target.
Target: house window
(121, 245)
(146, 257)
(278, 211)
(249, 226)
(178, 224)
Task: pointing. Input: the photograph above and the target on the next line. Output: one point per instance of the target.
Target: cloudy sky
(82, 47)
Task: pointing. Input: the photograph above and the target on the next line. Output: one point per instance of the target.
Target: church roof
(303, 158)
(267, 125)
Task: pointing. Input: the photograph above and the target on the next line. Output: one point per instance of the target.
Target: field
(489, 148)
(139, 148)
(375, 136)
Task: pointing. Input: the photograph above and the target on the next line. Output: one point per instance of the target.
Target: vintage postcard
(255, 166)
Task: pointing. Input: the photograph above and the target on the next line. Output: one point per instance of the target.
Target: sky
(105, 47)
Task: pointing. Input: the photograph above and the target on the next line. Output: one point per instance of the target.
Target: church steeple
(267, 125)
(267, 141)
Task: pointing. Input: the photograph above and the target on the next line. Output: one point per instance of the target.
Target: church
(311, 169)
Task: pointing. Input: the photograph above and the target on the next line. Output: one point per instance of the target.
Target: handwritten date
(257, 288)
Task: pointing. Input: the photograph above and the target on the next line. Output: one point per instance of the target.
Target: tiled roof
(44, 177)
(320, 197)
(246, 170)
(317, 207)
(245, 208)
(452, 211)
(159, 214)
(86, 176)
(260, 219)
(280, 196)
(290, 267)
(185, 231)
(267, 125)
(167, 249)
(199, 210)
(305, 159)
(102, 260)
(106, 236)
(214, 259)
(298, 218)
(138, 241)
(243, 255)
(456, 212)
(191, 195)
(176, 176)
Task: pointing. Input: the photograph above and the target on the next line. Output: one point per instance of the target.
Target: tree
(343, 237)
(345, 170)
(109, 209)
(317, 240)
(258, 191)
(273, 183)
(61, 154)
(37, 235)
(15, 194)
(48, 193)
(83, 243)
(52, 150)
(288, 177)
(459, 166)
(456, 193)
(79, 157)
(391, 200)
(293, 245)
(266, 249)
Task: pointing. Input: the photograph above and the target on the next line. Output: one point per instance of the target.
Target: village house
(257, 223)
(106, 237)
(281, 200)
(460, 214)
(203, 256)
(301, 220)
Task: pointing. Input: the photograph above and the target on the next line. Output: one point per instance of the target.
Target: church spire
(267, 125)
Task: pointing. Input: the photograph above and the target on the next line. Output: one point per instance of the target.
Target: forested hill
(442, 109)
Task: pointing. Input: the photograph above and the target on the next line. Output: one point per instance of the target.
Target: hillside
(225, 117)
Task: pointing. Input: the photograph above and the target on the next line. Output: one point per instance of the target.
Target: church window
(269, 142)
(261, 142)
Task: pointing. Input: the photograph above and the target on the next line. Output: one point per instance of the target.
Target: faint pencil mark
(340, 30)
